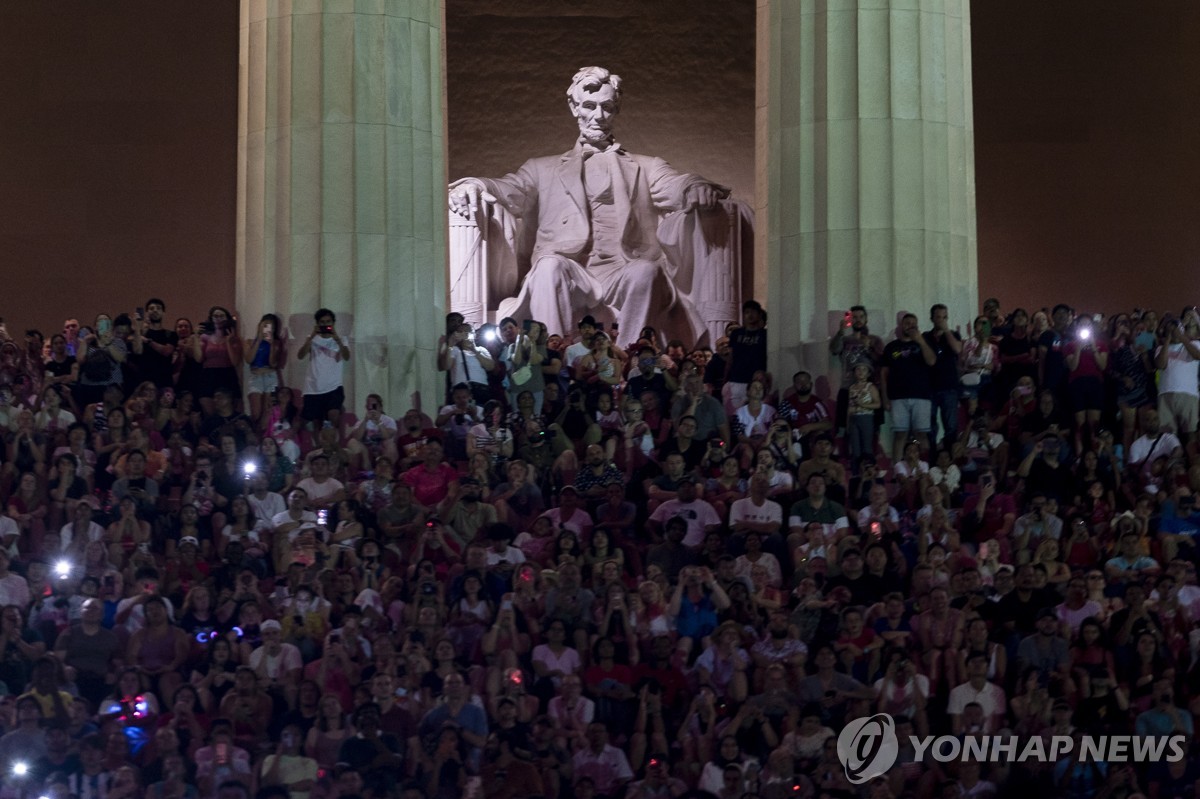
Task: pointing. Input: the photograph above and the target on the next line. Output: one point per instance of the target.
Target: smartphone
(876, 529)
(322, 517)
(527, 325)
(506, 604)
(326, 328)
(139, 312)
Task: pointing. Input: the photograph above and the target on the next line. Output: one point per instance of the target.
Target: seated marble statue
(621, 236)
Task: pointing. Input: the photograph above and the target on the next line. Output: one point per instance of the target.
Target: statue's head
(595, 98)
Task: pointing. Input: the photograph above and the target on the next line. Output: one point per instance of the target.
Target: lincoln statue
(611, 236)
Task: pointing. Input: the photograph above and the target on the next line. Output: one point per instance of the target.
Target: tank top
(262, 356)
(215, 354)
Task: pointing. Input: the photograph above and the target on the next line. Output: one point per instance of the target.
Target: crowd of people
(602, 567)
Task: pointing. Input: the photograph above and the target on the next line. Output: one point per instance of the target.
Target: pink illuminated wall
(118, 157)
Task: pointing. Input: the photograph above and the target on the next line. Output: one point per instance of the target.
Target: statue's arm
(516, 191)
(672, 190)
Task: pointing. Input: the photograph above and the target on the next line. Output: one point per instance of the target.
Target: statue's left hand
(705, 196)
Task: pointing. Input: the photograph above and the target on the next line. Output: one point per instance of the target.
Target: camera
(326, 329)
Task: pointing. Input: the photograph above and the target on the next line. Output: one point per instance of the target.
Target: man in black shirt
(907, 387)
(947, 346)
(153, 345)
(747, 355)
(650, 378)
(865, 588)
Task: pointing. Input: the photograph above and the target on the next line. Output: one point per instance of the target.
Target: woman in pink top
(554, 660)
(217, 349)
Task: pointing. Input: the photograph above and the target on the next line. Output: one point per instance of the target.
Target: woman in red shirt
(1087, 359)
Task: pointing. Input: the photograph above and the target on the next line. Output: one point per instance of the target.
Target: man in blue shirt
(456, 708)
(1164, 718)
(1180, 524)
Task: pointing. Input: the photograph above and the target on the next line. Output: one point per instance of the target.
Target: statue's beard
(594, 135)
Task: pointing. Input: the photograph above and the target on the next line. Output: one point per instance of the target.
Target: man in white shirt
(466, 361)
(277, 665)
(1177, 359)
(327, 354)
(700, 516)
(373, 436)
(76, 534)
(323, 491)
(265, 504)
(756, 513)
(10, 534)
(1154, 442)
(582, 345)
(13, 588)
(603, 763)
(977, 689)
(297, 514)
(131, 612)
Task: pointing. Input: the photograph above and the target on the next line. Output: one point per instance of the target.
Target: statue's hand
(705, 196)
(465, 198)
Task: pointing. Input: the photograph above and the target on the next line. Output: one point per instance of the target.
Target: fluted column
(871, 171)
(341, 183)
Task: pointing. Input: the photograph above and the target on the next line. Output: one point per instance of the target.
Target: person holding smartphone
(218, 350)
(153, 344)
(324, 394)
(263, 354)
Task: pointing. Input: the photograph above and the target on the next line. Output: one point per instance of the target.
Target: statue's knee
(550, 273)
(645, 276)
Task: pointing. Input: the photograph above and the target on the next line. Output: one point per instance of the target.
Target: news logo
(868, 747)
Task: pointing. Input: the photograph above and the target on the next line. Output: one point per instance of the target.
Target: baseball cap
(270, 624)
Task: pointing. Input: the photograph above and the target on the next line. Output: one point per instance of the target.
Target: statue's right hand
(465, 198)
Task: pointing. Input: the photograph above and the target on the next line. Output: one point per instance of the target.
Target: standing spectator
(153, 344)
(947, 347)
(853, 343)
(907, 387)
(980, 363)
(218, 351)
(1052, 364)
(747, 355)
(264, 355)
(1177, 359)
(1086, 359)
(100, 355)
(466, 362)
(324, 395)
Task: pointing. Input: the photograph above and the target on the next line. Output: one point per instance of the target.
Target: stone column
(341, 184)
(870, 167)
